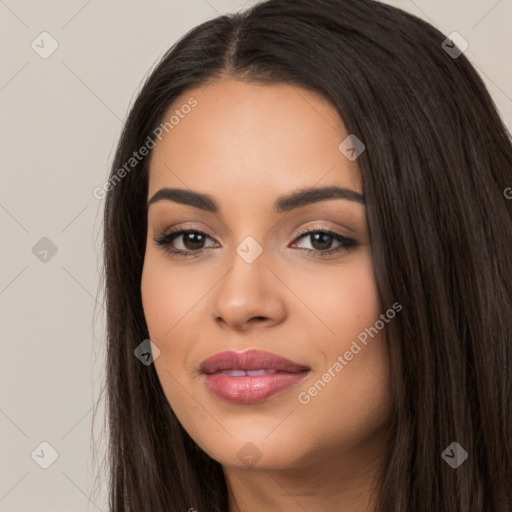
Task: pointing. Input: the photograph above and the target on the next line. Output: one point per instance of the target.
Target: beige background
(61, 119)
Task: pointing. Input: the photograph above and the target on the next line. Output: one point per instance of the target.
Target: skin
(245, 145)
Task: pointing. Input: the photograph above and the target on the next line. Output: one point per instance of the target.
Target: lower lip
(251, 389)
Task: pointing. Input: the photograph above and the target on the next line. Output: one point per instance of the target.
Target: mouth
(241, 373)
(251, 376)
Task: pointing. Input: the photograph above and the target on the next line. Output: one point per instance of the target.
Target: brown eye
(193, 240)
(321, 241)
(190, 242)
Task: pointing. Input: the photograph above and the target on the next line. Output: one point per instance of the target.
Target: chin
(253, 451)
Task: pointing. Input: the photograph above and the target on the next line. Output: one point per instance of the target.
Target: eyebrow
(284, 203)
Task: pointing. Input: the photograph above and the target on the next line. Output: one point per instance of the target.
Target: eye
(191, 242)
(321, 241)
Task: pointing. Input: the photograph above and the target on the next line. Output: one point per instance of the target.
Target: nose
(249, 296)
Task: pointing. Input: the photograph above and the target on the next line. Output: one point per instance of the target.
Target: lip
(281, 374)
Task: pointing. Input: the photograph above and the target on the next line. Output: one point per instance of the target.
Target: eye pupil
(317, 237)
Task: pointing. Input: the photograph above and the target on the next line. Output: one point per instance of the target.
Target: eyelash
(165, 240)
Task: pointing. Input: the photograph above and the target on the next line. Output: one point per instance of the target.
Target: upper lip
(249, 360)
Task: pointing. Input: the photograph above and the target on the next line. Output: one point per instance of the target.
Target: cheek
(168, 300)
(358, 301)
(170, 296)
(344, 300)
(356, 398)
(159, 298)
(174, 301)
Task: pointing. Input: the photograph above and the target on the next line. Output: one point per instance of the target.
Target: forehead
(253, 138)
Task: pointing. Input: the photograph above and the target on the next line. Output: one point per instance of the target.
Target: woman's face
(250, 280)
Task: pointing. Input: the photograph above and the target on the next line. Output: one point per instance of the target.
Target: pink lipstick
(251, 376)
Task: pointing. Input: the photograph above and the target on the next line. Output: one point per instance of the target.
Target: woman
(307, 264)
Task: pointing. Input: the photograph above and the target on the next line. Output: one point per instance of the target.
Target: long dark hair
(437, 162)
